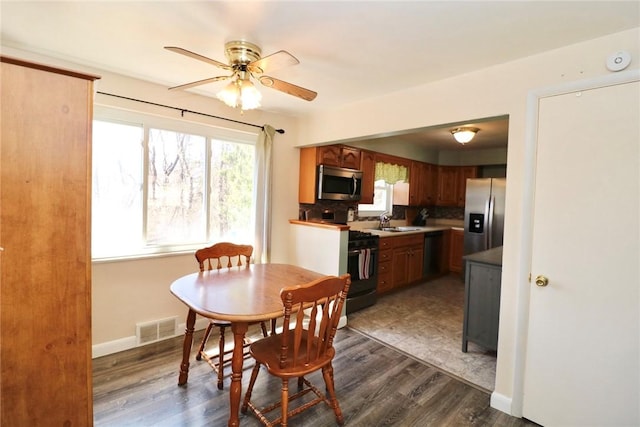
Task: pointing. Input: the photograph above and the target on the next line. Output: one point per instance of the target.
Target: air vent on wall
(156, 330)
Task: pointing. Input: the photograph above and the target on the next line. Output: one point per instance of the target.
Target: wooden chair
(297, 351)
(233, 254)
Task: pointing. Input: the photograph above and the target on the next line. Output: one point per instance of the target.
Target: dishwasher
(432, 253)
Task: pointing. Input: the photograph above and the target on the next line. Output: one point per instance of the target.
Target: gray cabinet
(483, 271)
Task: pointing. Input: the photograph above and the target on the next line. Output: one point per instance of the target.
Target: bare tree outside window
(175, 205)
(198, 189)
(231, 191)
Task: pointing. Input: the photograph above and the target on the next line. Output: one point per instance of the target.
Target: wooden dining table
(240, 295)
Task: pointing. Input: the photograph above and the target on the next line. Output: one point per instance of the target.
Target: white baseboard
(501, 402)
(343, 321)
(127, 343)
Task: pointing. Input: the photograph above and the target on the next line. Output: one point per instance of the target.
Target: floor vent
(156, 330)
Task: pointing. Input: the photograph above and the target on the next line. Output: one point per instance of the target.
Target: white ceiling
(348, 50)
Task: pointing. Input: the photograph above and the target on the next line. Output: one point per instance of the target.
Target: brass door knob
(542, 281)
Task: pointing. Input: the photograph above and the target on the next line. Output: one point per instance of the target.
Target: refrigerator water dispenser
(476, 223)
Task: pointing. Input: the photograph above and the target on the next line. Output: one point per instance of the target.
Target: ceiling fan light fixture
(240, 93)
(464, 134)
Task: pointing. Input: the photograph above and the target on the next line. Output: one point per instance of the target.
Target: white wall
(496, 91)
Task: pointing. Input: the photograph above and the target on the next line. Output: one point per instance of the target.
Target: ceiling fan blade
(289, 88)
(190, 54)
(201, 82)
(272, 62)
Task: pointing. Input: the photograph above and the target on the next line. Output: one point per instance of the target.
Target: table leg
(186, 347)
(239, 331)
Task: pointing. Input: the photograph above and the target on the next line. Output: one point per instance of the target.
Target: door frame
(514, 405)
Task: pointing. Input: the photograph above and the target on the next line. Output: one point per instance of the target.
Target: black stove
(362, 265)
(362, 239)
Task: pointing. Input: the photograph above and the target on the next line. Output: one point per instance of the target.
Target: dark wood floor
(376, 386)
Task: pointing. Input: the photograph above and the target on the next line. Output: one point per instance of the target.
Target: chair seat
(267, 351)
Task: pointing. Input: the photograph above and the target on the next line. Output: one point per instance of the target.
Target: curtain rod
(184, 110)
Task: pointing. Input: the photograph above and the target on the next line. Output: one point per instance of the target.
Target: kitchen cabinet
(422, 184)
(45, 264)
(385, 277)
(482, 285)
(339, 156)
(311, 157)
(447, 186)
(456, 249)
(368, 168)
(452, 184)
(400, 261)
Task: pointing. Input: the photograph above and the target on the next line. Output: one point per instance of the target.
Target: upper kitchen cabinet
(339, 156)
(447, 186)
(368, 168)
(422, 184)
(45, 264)
(330, 155)
(452, 184)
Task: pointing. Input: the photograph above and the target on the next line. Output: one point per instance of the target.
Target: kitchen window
(382, 200)
(162, 186)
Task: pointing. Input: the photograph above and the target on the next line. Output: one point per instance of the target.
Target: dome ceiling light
(464, 134)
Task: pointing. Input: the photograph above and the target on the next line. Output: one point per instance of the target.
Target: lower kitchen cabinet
(483, 275)
(456, 249)
(400, 261)
(385, 275)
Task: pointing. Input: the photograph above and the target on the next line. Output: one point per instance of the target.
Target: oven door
(362, 265)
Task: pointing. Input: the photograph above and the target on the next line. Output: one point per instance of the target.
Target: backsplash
(340, 209)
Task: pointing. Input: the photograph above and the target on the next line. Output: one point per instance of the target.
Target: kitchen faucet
(384, 221)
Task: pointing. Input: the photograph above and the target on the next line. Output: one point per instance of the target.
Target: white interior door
(582, 358)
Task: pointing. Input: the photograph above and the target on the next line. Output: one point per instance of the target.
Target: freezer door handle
(487, 222)
(492, 203)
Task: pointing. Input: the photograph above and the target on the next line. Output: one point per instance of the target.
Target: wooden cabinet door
(330, 155)
(385, 274)
(419, 184)
(339, 156)
(447, 186)
(350, 158)
(415, 185)
(368, 168)
(307, 175)
(416, 255)
(45, 179)
(400, 267)
(430, 181)
(464, 173)
(456, 250)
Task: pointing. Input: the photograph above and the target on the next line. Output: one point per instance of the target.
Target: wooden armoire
(45, 236)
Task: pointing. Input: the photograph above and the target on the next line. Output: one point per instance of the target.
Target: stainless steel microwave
(339, 183)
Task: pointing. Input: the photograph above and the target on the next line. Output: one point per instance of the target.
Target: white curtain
(262, 179)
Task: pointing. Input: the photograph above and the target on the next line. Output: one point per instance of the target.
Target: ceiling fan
(244, 63)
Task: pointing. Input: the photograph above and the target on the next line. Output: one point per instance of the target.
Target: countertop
(374, 230)
(491, 256)
(419, 230)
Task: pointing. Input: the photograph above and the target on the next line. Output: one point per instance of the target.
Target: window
(161, 186)
(382, 200)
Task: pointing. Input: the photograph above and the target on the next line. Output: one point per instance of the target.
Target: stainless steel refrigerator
(484, 214)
